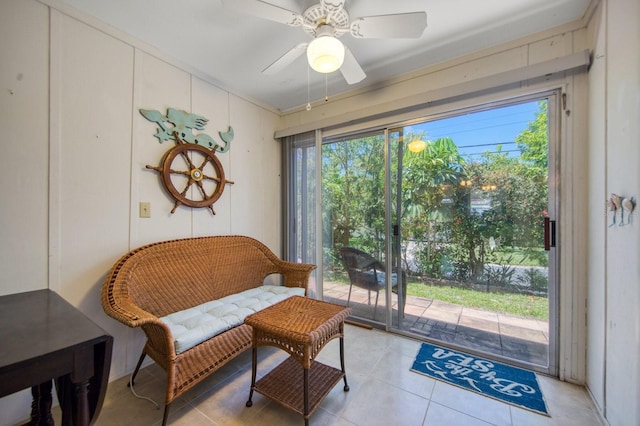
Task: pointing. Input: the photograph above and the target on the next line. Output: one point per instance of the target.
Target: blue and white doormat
(505, 383)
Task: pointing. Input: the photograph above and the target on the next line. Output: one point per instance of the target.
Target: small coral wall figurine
(617, 203)
(628, 204)
(613, 204)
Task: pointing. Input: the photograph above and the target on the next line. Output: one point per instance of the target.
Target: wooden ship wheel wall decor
(190, 171)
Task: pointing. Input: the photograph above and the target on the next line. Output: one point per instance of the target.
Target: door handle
(549, 233)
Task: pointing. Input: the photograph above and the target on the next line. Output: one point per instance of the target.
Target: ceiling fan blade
(402, 25)
(351, 69)
(285, 60)
(265, 10)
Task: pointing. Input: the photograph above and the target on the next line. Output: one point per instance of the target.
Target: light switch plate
(145, 209)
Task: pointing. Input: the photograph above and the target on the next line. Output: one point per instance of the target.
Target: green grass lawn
(513, 304)
(532, 257)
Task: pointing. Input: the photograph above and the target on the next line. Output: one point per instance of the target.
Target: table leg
(306, 396)
(41, 405)
(83, 370)
(346, 385)
(82, 415)
(254, 362)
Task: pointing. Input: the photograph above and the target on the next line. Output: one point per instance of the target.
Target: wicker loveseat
(163, 278)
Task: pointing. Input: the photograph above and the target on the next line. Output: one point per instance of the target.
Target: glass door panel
(353, 224)
(470, 211)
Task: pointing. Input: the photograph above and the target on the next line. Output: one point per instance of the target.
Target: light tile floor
(383, 392)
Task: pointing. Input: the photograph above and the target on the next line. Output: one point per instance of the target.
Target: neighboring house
(75, 149)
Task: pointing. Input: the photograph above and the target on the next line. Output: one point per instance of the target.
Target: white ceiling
(233, 48)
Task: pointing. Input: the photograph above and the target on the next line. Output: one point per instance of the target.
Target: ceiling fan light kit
(417, 145)
(325, 53)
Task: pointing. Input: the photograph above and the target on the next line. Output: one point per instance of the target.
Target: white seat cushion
(200, 323)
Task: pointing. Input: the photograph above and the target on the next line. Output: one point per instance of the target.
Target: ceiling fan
(326, 22)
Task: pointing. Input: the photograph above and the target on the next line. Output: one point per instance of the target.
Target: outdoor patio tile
(424, 331)
(419, 325)
(480, 340)
(442, 315)
(544, 326)
(415, 310)
(336, 293)
(421, 301)
(477, 313)
(531, 324)
(437, 304)
(419, 320)
(479, 334)
(479, 323)
(523, 333)
(525, 350)
(443, 336)
(472, 344)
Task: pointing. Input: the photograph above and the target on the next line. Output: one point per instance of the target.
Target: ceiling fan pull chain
(308, 90)
(326, 88)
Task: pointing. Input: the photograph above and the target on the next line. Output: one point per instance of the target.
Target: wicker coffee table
(301, 327)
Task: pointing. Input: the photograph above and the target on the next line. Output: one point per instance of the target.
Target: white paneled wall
(24, 163)
(91, 181)
(157, 86)
(597, 223)
(622, 153)
(93, 118)
(213, 103)
(272, 188)
(246, 197)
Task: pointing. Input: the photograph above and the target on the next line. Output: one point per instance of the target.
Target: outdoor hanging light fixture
(325, 53)
(417, 145)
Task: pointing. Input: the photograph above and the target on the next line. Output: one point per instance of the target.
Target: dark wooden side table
(301, 327)
(44, 338)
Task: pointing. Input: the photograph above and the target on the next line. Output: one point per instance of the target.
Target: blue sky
(482, 131)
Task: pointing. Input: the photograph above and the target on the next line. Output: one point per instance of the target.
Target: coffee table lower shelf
(284, 385)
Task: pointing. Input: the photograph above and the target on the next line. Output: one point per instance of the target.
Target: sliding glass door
(435, 227)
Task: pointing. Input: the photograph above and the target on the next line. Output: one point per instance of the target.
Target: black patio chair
(367, 272)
